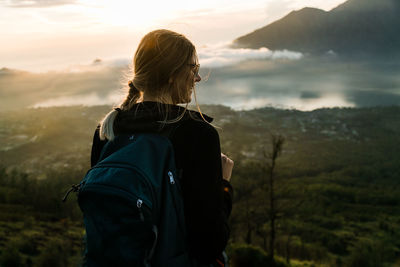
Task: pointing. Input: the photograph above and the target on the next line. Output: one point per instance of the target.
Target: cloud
(251, 103)
(213, 56)
(38, 3)
(222, 55)
(309, 95)
(91, 99)
(99, 64)
(368, 98)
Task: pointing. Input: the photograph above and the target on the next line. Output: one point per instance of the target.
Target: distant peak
(6, 70)
(306, 11)
(310, 9)
(355, 27)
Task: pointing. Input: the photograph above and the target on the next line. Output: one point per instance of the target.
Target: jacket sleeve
(207, 197)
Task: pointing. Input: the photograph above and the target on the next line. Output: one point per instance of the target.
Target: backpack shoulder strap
(119, 142)
(123, 140)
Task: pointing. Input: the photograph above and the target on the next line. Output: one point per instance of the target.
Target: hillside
(340, 167)
(47, 138)
(356, 27)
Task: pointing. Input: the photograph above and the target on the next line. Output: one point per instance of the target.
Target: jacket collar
(150, 116)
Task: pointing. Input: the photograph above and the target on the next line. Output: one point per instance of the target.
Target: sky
(44, 35)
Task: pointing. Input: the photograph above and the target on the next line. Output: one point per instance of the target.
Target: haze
(77, 53)
(42, 35)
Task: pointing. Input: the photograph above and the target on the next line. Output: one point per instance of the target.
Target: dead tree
(280, 204)
(271, 157)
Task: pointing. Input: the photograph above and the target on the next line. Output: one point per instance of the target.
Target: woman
(165, 72)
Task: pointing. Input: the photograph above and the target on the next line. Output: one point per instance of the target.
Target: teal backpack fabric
(132, 205)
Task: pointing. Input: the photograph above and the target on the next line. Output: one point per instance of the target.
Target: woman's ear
(171, 80)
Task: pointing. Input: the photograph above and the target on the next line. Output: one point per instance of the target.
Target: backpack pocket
(119, 225)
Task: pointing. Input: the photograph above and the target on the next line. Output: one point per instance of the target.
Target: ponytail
(107, 125)
(132, 97)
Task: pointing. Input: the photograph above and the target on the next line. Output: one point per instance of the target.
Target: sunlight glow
(41, 35)
(145, 13)
(126, 13)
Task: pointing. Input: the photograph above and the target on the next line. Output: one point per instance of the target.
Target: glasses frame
(196, 68)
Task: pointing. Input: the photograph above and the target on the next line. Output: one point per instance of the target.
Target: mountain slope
(354, 27)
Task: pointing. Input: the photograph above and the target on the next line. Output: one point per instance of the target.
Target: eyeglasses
(196, 68)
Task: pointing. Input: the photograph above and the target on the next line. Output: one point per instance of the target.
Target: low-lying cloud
(258, 80)
(213, 56)
(220, 56)
(91, 99)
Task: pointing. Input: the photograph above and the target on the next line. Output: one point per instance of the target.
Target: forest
(333, 176)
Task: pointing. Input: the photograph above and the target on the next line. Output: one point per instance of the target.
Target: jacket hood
(151, 116)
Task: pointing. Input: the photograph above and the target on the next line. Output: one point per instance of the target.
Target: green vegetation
(337, 180)
(36, 228)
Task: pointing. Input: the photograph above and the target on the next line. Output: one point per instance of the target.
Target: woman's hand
(227, 166)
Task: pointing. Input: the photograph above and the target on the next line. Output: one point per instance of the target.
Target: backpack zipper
(74, 188)
(112, 190)
(171, 178)
(129, 167)
(139, 203)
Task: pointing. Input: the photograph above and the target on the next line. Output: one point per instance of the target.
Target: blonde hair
(161, 70)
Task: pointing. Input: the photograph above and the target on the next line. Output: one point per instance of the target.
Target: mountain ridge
(356, 27)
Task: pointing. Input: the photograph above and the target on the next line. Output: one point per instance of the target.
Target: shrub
(10, 256)
(369, 253)
(242, 255)
(27, 245)
(56, 253)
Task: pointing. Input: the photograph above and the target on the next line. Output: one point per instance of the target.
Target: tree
(283, 198)
(277, 142)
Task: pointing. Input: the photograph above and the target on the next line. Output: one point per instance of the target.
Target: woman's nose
(197, 78)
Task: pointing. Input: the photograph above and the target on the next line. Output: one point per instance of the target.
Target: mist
(223, 55)
(304, 84)
(252, 78)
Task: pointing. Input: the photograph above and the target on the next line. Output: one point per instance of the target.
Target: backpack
(132, 205)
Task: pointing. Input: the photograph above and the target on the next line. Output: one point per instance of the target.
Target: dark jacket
(207, 197)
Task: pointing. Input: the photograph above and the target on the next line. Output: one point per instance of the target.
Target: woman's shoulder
(198, 125)
(197, 128)
(199, 120)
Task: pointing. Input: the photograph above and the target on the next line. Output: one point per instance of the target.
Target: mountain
(356, 27)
